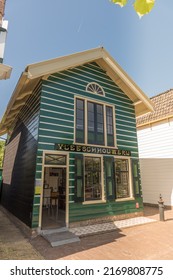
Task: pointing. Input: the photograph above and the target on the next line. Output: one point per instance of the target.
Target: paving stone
(105, 227)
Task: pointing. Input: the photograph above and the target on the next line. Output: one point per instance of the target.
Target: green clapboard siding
(92, 211)
(57, 126)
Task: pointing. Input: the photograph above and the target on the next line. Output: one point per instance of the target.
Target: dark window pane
(80, 121)
(79, 181)
(95, 123)
(122, 178)
(80, 104)
(93, 190)
(109, 126)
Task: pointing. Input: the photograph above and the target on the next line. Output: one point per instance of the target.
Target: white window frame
(95, 91)
(131, 196)
(86, 123)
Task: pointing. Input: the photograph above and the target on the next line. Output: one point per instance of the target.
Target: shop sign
(91, 149)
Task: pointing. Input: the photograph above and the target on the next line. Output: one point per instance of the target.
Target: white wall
(156, 162)
(157, 178)
(156, 141)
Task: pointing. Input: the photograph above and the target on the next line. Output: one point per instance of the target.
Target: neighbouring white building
(155, 140)
(5, 70)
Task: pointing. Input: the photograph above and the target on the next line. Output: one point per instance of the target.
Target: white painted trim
(52, 93)
(109, 98)
(56, 106)
(35, 72)
(86, 99)
(117, 89)
(96, 84)
(130, 180)
(93, 202)
(54, 124)
(54, 137)
(67, 185)
(59, 101)
(53, 118)
(103, 200)
(53, 112)
(45, 129)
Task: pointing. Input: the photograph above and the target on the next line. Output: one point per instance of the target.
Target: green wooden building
(72, 156)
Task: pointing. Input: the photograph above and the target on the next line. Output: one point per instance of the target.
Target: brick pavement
(147, 241)
(14, 244)
(143, 242)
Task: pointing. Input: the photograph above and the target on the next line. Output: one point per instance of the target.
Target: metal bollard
(161, 208)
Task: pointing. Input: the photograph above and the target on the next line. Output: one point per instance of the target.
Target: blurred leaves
(142, 7)
(120, 2)
(2, 146)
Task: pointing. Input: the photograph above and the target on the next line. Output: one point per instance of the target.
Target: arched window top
(95, 88)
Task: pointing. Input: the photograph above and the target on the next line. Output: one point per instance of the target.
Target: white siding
(156, 161)
(157, 178)
(156, 141)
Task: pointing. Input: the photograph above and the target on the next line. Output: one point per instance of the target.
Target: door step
(58, 237)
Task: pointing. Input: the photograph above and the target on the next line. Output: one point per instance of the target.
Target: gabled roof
(163, 109)
(37, 71)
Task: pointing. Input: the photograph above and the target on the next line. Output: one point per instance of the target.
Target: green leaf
(143, 7)
(120, 2)
(2, 146)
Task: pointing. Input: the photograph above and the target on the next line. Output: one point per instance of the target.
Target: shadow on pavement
(86, 243)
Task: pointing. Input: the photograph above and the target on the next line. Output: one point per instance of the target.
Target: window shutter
(109, 177)
(79, 179)
(136, 177)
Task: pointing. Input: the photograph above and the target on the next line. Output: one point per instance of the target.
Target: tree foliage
(2, 146)
(142, 7)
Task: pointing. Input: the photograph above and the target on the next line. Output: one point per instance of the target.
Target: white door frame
(67, 180)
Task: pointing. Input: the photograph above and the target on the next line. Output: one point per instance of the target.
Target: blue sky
(41, 29)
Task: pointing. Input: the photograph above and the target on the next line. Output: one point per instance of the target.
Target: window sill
(124, 199)
(94, 202)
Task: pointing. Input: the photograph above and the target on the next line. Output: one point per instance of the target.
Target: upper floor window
(95, 88)
(94, 123)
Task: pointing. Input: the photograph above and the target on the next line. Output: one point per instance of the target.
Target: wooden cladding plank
(80, 212)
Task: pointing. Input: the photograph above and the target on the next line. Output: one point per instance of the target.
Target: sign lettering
(91, 149)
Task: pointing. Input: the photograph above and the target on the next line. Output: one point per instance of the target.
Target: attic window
(95, 88)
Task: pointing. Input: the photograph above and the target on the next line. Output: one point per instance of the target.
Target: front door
(54, 193)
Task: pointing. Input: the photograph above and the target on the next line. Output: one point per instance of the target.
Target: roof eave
(5, 71)
(35, 72)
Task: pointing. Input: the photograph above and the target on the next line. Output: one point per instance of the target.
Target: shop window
(88, 182)
(122, 178)
(93, 186)
(94, 125)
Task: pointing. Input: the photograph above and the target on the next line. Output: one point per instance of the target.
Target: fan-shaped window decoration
(95, 88)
